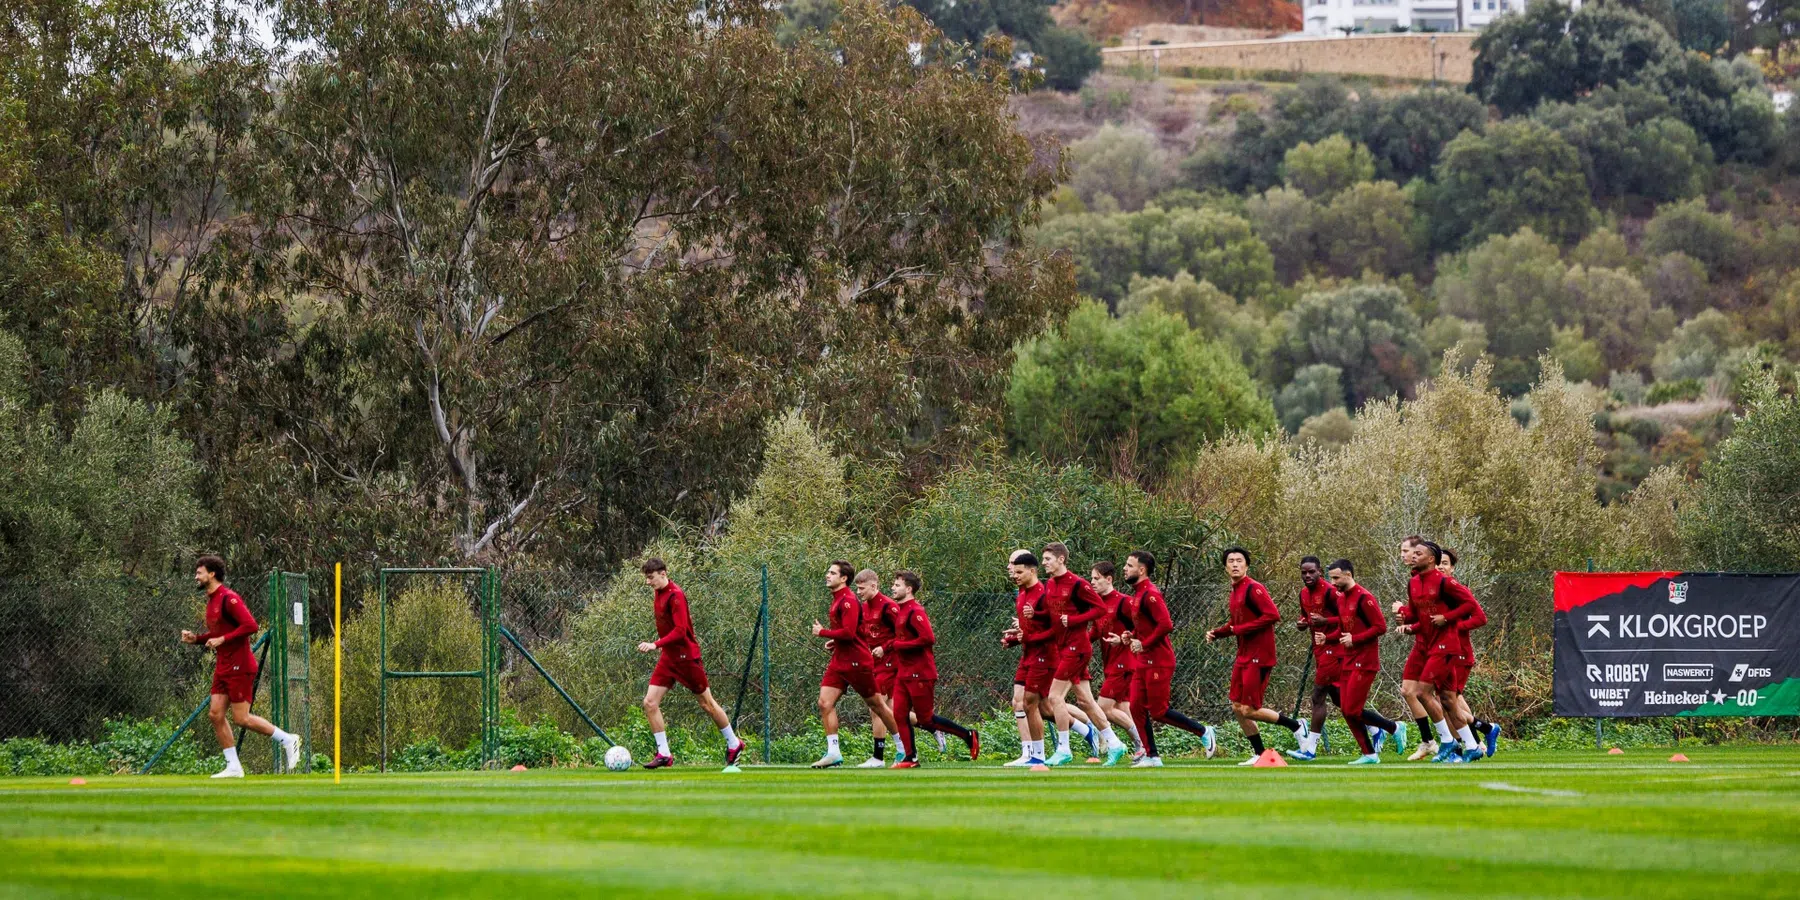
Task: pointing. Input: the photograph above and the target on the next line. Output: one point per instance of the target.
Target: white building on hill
(1329, 17)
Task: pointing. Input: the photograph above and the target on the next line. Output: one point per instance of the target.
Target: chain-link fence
(75, 655)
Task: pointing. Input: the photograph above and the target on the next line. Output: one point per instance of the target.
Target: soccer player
(1433, 603)
(677, 662)
(1360, 627)
(851, 664)
(1488, 731)
(229, 626)
(1032, 634)
(1115, 661)
(878, 617)
(1153, 660)
(915, 686)
(1421, 701)
(1319, 618)
(1073, 606)
(1253, 617)
(1452, 654)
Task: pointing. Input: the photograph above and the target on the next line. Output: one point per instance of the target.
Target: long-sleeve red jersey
(912, 641)
(1359, 615)
(674, 626)
(1070, 595)
(844, 629)
(1114, 622)
(1430, 594)
(1035, 628)
(1151, 625)
(879, 616)
(1321, 600)
(1253, 617)
(228, 617)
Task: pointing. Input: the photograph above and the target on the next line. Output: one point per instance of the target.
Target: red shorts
(850, 675)
(916, 696)
(1150, 690)
(1117, 686)
(1073, 667)
(1328, 669)
(1035, 672)
(238, 687)
(1249, 681)
(1414, 670)
(1448, 674)
(1354, 690)
(673, 669)
(886, 673)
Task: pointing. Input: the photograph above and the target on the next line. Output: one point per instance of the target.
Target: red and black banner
(1677, 644)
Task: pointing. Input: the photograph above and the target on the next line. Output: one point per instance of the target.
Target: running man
(1115, 661)
(1487, 731)
(1319, 618)
(229, 627)
(1253, 617)
(1421, 701)
(1361, 626)
(1451, 656)
(851, 664)
(1032, 634)
(1153, 660)
(915, 688)
(879, 614)
(1073, 606)
(677, 662)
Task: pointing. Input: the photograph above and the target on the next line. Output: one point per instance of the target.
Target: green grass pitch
(1726, 824)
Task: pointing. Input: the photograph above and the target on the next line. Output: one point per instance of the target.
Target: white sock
(1443, 731)
(1108, 740)
(1037, 749)
(1468, 739)
(280, 735)
(1081, 728)
(1135, 737)
(662, 743)
(231, 761)
(731, 738)
(831, 745)
(1062, 742)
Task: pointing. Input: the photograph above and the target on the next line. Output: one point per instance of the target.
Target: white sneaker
(1023, 760)
(943, 741)
(291, 748)
(1211, 742)
(231, 772)
(1249, 762)
(871, 763)
(1425, 750)
(1148, 762)
(1310, 744)
(828, 760)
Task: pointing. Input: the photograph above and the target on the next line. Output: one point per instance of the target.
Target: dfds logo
(1677, 592)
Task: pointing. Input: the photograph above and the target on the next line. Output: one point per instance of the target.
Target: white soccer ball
(618, 759)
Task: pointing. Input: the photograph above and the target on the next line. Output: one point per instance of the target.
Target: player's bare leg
(223, 714)
(828, 718)
(1422, 702)
(1119, 713)
(1247, 718)
(1021, 719)
(1058, 702)
(878, 758)
(716, 711)
(881, 712)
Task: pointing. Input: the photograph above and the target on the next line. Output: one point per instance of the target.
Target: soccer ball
(618, 759)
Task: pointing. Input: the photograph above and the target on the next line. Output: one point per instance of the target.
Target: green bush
(1673, 391)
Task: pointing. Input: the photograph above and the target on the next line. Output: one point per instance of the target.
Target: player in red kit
(1253, 617)
(1360, 627)
(1032, 634)
(1153, 660)
(1319, 618)
(1446, 613)
(851, 664)
(878, 617)
(1073, 607)
(1487, 731)
(677, 662)
(1421, 700)
(229, 627)
(915, 688)
(1115, 661)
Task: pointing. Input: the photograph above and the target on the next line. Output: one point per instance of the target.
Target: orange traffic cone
(78, 781)
(1269, 760)
(1679, 757)
(519, 768)
(1616, 752)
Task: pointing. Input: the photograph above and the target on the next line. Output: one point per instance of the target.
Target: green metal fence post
(1599, 723)
(764, 616)
(277, 678)
(493, 674)
(381, 600)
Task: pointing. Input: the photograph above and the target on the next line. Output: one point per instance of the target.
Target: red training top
(1253, 618)
(1151, 626)
(845, 631)
(1321, 599)
(1114, 657)
(912, 641)
(674, 628)
(1430, 594)
(1359, 615)
(1070, 595)
(1036, 627)
(879, 617)
(227, 617)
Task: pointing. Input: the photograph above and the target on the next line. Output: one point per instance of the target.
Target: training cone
(1615, 752)
(1679, 757)
(519, 768)
(1269, 760)
(1040, 767)
(731, 770)
(84, 780)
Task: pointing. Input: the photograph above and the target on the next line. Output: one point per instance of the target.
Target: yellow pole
(337, 675)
